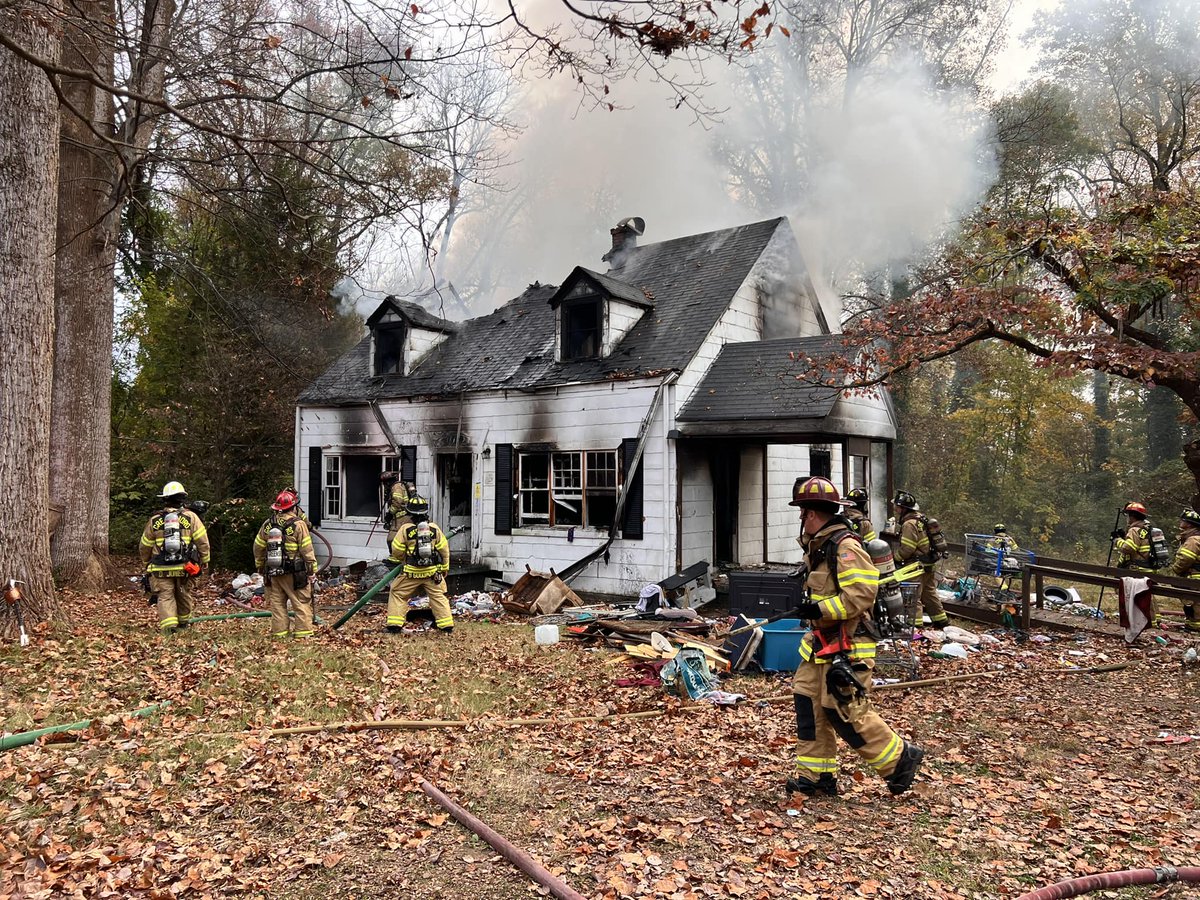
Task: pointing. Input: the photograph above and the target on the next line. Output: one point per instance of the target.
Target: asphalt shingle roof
(690, 280)
(757, 380)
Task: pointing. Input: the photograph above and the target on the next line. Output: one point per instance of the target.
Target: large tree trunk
(28, 204)
(88, 217)
(1164, 436)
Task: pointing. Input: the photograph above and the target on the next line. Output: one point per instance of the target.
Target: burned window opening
(582, 326)
(568, 488)
(389, 349)
(352, 485)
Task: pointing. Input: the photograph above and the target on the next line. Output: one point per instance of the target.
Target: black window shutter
(631, 526)
(504, 489)
(408, 464)
(316, 486)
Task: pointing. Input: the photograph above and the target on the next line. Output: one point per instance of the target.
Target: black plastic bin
(763, 594)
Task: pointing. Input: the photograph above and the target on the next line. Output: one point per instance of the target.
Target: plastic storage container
(546, 634)
(780, 650)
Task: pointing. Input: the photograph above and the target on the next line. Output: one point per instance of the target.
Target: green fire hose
(366, 598)
(24, 738)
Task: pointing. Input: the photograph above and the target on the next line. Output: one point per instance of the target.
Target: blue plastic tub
(780, 648)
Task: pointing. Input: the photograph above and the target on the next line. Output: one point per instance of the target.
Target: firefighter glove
(1116, 533)
(801, 572)
(840, 680)
(808, 610)
(388, 518)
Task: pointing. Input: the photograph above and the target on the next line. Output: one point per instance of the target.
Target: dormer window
(389, 349)
(582, 327)
(402, 335)
(593, 313)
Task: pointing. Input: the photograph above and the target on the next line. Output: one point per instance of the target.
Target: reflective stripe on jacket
(405, 547)
(192, 533)
(297, 542)
(1187, 558)
(861, 524)
(1135, 546)
(850, 604)
(914, 539)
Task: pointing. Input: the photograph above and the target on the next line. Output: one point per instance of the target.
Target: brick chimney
(624, 241)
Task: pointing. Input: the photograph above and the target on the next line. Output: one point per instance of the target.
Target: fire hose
(24, 738)
(1074, 887)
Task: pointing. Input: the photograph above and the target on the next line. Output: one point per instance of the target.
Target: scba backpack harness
(178, 545)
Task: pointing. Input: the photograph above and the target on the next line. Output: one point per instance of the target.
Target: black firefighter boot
(825, 785)
(902, 776)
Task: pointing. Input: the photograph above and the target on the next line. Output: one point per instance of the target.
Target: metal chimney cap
(636, 224)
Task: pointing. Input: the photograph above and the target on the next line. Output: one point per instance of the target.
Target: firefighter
(175, 550)
(831, 683)
(1187, 560)
(395, 515)
(1001, 539)
(915, 545)
(857, 514)
(283, 553)
(1133, 544)
(426, 555)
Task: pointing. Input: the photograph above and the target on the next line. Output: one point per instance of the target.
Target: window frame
(567, 311)
(334, 494)
(571, 481)
(400, 330)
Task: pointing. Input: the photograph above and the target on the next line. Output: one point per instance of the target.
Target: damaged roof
(758, 381)
(689, 280)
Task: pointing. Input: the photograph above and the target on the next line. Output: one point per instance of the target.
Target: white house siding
(866, 414)
(750, 498)
(572, 417)
(789, 297)
(696, 509)
(621, 317)
(785, 462)
(741, 321)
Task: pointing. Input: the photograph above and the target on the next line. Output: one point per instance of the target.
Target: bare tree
(1134, 71)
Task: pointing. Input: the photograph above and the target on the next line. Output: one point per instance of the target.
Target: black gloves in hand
(1116, 533)
(437, 578)
(841, 681)
(801, 571)
(808, 610)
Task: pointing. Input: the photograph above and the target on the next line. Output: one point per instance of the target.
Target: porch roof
(765, 388)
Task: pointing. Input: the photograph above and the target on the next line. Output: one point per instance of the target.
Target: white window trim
(387, 462)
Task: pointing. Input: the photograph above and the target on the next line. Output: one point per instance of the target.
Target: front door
(454, 501)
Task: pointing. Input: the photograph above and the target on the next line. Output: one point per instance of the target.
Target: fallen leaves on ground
(1029, 779)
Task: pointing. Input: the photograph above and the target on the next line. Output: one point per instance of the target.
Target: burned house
(658, 395)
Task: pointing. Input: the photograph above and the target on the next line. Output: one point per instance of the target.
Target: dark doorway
(454, 496)
(725, 464)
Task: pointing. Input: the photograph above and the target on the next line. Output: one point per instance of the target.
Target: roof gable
(411, 314)
(582, 282)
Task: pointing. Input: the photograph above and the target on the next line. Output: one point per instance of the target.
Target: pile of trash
(245, 591)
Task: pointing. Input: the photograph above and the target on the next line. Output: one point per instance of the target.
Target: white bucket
(546, 634)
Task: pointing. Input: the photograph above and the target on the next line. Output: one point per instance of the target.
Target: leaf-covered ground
(1030, 777)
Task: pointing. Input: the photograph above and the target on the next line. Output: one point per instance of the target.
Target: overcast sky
(1015, 64)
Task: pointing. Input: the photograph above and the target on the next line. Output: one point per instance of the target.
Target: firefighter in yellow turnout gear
(174, 549)
(426, 555)
(395, 516)
(283, 553)
(856, 513)
(915, 547)
(1133, 544)
(1187, 560)
(833, 679)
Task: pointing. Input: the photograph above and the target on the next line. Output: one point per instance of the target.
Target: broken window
(389, 349)
(820, 463)
(581, 328)
(567, 488)
(352, 484)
